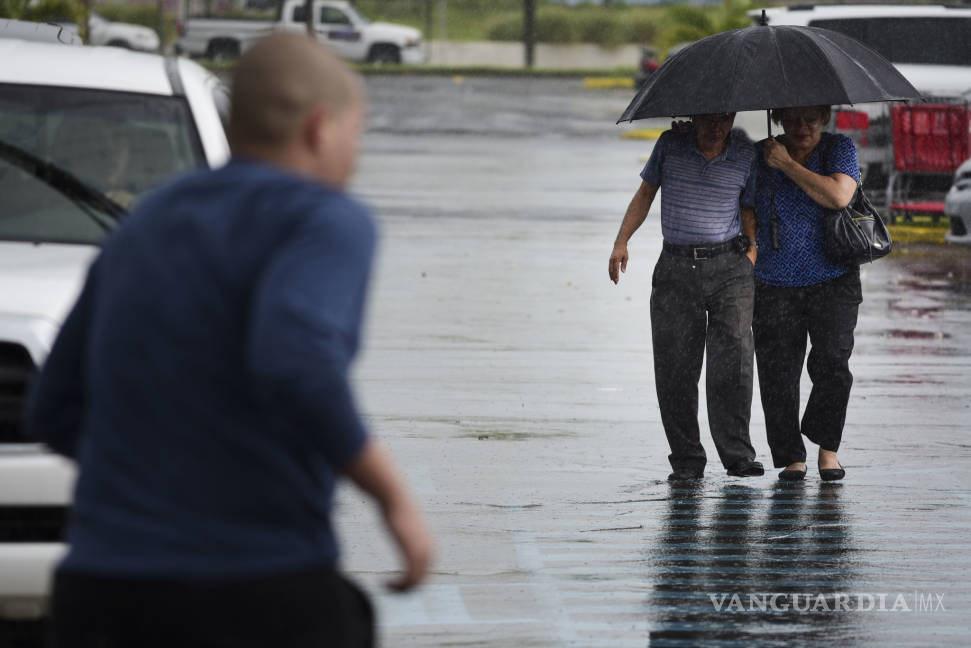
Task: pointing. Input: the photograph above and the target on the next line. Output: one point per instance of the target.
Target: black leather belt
(699, 252)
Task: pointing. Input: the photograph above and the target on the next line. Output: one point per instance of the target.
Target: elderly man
(201, 384)
(703, 289)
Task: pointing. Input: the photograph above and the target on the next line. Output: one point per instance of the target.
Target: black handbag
(856, 233)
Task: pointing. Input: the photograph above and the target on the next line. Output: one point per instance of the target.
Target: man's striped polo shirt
(700, 200)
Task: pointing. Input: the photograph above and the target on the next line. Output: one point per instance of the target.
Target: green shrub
(506, 28)
(733, 14)
(687, 23)
(642, 28)
(13, 8)
(49, 10)
(604, 29)
(554, 25)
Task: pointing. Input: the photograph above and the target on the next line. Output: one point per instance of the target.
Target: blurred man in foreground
(201, 384)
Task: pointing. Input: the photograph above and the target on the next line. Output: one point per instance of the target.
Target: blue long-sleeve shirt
(201, 379)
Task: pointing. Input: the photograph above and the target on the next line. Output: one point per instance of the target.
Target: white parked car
(957, 206)
(102, 31)
(84, 132)
(336, 24)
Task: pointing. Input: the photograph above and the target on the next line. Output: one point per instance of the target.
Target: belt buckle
(704, 253)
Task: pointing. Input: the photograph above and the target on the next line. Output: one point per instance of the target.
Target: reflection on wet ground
(745, 563)
(514, 384)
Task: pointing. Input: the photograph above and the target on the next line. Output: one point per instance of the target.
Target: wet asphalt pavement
(514, 384)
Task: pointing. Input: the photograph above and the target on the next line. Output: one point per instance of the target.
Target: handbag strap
(773, 216)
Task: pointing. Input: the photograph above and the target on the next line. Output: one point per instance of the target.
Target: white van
(929, 44)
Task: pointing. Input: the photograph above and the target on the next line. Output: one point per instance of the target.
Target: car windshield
(926, 40)
(119, 145)
(354, 12)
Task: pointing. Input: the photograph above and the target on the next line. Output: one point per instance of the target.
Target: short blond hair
(278, 82)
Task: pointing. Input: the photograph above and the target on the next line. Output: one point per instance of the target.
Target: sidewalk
(548, 56)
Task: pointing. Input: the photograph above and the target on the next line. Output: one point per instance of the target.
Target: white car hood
(937, 80)
(42, 281)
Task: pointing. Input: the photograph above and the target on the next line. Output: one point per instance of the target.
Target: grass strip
(917, 234)
(617, 74)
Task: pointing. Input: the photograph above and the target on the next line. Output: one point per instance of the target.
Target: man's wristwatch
(754, 243)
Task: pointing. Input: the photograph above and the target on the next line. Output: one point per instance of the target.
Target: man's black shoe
(747, 469)
(685, 475)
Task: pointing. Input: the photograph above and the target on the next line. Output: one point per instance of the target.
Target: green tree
(688, 23)
(13, 8)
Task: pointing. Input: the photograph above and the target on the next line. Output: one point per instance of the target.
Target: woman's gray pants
(699, 305)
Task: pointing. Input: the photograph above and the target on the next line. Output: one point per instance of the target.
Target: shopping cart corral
(930, 141)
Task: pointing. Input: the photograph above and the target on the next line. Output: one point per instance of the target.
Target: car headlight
(412, 42)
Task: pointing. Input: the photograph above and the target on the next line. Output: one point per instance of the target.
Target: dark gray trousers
(699, 306)
(826, 314)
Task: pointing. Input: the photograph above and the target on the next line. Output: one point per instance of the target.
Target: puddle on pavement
(908, 334)
(512, 436)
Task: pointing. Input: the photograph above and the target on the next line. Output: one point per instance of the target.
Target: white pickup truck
(84, 131)
(336, 24)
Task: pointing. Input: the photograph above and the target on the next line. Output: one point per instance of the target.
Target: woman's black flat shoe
(792, 475)
(832, 474)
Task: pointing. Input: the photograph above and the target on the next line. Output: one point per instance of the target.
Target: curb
(642, 134)
(912, 234)
(607, 83)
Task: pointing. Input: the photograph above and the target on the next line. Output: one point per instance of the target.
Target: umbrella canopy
(762, 67)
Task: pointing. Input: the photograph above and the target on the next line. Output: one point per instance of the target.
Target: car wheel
(222, 50)
(384, 54)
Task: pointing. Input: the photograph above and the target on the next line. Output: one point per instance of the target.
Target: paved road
(515, 385)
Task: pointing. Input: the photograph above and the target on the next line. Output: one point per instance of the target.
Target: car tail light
(852, 120)
(650, 65)
(180, 27)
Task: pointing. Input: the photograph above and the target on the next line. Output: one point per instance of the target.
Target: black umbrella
(762, 67)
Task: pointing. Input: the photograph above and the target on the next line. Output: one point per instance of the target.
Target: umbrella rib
(849, 57)
(737, 60)
(780, 61)
(824, 59)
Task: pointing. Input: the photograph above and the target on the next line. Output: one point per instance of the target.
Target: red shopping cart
(930, 140)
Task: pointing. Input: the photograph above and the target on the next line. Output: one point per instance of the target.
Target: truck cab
(336, 24)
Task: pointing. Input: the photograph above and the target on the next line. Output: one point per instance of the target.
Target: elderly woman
(800, 294)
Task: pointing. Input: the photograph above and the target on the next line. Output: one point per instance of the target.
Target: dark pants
(314, 608)
(699, 306)
(784, 317)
